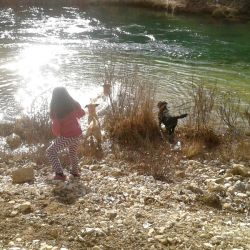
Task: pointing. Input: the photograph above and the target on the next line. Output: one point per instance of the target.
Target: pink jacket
(68, 126)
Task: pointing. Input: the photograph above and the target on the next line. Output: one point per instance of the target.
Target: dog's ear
(159, 104)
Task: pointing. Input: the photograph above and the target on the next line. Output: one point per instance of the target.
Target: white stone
(22, 175)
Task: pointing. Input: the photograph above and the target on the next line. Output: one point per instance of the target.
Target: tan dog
(94, 131)
(92, 112)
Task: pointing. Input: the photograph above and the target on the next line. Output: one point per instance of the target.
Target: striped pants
(57, 145)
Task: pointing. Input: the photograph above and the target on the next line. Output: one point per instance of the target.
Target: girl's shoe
(76, 174)
(60, 177)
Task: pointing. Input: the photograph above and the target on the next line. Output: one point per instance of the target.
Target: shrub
(130, 119)
(32, 128)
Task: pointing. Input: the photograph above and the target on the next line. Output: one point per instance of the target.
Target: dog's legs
(161, 133)
(171, 135)
(95, 116)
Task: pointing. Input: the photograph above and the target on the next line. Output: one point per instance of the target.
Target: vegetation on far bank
(229, 9)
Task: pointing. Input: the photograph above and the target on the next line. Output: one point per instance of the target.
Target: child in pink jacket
(65, 113)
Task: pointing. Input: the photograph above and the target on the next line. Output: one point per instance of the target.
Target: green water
(45, 47)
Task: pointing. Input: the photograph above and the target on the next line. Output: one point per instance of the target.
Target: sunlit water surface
(41, 48)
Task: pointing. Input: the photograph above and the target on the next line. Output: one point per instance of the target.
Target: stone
(180, 174)
(14, 141)
(111, 214)
(212, 200)
(227, 206)
(208, 246)
(96, 248)
(92, 231)
(195, 189)
(239, 186)
(25, 207)
(214, 187)
(115, 172)
(239, 169)
(161, 238)
(248, 187)
(23, 175)
(14, 213)
(151, 232)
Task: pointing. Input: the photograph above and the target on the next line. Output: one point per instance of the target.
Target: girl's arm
(55, 127)
(79, 112)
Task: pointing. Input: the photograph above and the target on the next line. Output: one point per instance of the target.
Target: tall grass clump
(130, 119)
(201, 126)
(230, 112)
(32, 128)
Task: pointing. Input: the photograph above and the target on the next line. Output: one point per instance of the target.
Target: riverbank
(137, 191)
(203, 205)
(228, 9)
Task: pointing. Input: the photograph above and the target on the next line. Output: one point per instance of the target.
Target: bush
(130, 118)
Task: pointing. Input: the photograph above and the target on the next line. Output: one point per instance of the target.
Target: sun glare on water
(37, 66)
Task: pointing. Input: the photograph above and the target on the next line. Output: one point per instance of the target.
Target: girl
(64, 113)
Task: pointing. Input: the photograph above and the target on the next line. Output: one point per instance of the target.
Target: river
(41, 48)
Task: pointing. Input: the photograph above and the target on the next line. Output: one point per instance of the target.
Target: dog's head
(92, 107)
(162, 105)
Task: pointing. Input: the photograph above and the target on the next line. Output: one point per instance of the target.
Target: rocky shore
(206, 205)
(229, 9)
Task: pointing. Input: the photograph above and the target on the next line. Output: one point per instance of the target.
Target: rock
(248, 187)
(217, 239)
(208, 246)
(227, 206)
(45, 246)
(96, 248)
(22, 175)
(94, 167)
(239, 186)
(92, 231)
(212, 200)
(13, 213)
(214, 187)
(239, 169)
(115, 172)
(194, 189)
(111, 214)
(25, 207)
(180, 174)
(149, 200)
(151, 232)
(161, 230)
(161, 238)
(14, 141)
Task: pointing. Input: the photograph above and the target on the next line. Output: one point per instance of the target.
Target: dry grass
(234, 149)
(194, 149)
(159, 162)
(203, 101)
(130, 119)
(229, 110)
(206, 136)
(32, 129)
(199, 131)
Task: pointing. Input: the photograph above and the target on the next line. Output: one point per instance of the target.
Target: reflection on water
(43, 48)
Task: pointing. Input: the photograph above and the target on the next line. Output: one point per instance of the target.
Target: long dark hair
(61, 103)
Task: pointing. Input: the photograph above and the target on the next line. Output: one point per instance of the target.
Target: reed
(33, 128)
(130, 119)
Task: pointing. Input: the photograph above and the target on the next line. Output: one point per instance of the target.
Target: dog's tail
(181, 116)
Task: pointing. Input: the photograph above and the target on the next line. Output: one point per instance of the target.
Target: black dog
(169, 121)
